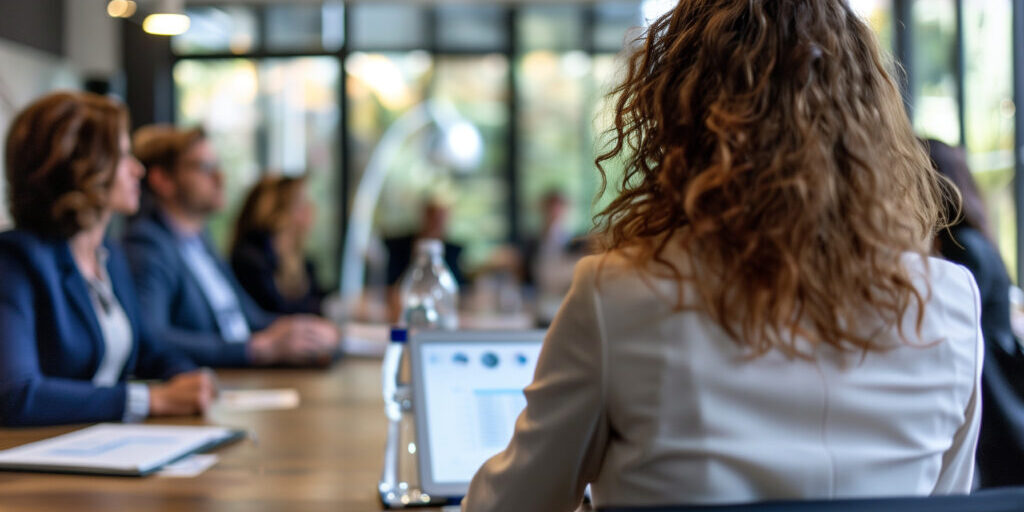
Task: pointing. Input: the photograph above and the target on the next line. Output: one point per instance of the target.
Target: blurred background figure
(434, 224)
(969, 242)
(69, 318)
(268, 252)
(550, 258)
(189, 296)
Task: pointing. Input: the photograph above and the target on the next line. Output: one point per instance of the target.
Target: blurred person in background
(551, 256)
(69, 319)
(969, 242)
(268, 247)
(433, 225)
(189, 296)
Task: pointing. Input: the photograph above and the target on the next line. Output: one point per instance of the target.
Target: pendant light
(168, 19)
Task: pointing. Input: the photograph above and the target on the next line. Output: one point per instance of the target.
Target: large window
(272, 114)
(532, 80)
(878, 14)
(221, 95)
(933, 69)
(989, 115)
(552, 82)
(383, 90)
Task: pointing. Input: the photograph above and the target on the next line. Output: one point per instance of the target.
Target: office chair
(1005, 499)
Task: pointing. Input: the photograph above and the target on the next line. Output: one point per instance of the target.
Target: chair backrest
(995, 500)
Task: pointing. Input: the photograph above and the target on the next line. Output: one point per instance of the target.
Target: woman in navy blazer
(69, 329)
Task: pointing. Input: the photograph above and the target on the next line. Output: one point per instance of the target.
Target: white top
(655, 406)
(118, 341)
(114, 325)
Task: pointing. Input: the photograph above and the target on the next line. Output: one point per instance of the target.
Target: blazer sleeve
(957, 473)
(560, 437)
(155, 284)
(27, 396)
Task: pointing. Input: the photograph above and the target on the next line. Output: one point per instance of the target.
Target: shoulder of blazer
(149, 234)
(36, 252)
(149, 227)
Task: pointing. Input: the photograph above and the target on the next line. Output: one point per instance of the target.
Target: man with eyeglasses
(189, 296)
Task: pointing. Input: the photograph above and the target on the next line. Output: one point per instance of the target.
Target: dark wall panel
(149, 85)
(35, 23)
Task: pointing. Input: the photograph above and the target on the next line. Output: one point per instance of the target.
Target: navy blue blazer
(50, 340)
(255, 262)
(173, 305)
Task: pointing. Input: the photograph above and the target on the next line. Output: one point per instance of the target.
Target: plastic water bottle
(429, 301)
(391, 373)
(428, 290)
(399, 480)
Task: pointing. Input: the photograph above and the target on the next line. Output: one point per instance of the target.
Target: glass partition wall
(312, 88)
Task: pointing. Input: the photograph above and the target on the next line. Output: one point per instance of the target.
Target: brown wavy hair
(951, 162)
(266, 208)
(61, 158)
(767, 140)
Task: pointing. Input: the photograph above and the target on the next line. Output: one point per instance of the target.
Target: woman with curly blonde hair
(765, 322)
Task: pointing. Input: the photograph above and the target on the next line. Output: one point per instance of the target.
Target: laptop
(468, 392)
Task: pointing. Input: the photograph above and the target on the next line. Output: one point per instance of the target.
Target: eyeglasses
(204, 167)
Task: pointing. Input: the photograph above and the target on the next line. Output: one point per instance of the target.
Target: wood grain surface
(325, 455)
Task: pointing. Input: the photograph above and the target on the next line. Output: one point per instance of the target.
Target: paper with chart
(117, 449)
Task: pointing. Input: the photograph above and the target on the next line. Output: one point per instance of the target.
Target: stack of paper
(116, 449)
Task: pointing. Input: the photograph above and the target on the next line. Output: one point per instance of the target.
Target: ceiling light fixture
(121, 8)
(169, 19)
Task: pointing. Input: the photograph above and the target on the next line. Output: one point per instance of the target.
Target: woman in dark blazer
(68, 313)
(969, 242)
(268, 254)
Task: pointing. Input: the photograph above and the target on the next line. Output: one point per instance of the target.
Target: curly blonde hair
(767, 140)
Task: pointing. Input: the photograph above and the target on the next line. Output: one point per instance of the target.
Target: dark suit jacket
(50, 340)
(254, 261)
(173, 304)
(1001, 442)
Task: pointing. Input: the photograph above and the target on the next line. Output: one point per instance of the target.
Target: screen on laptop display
(472, 393)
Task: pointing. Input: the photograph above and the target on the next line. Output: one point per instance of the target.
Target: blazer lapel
(78, 295)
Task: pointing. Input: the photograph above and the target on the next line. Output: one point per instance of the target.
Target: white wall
(92, 40)
(92, 45)
(37, 73)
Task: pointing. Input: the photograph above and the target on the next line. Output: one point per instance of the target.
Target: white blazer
(654, 406)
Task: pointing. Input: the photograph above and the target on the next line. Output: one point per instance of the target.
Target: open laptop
(468, 392)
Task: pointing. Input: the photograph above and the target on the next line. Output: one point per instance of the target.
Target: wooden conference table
(324, 455)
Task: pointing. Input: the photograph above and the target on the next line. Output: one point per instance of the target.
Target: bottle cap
(430, 246)
(399, 335)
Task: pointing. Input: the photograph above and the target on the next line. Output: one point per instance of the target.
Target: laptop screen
(470, 392)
